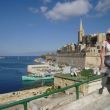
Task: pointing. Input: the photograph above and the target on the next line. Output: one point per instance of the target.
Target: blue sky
(31, 26)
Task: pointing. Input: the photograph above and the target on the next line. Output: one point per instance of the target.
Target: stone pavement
(93, 101)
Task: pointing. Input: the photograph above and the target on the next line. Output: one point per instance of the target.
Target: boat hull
(32, 78)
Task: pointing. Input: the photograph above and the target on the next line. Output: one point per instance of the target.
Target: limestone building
(84, 54)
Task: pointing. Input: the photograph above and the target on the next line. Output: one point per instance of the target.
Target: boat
(36, 81)
(40, 60)
(36, 78)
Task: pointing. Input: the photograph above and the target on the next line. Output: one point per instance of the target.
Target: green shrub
(87, 73)
(43, 56)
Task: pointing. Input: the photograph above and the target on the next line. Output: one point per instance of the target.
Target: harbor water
(12, 68)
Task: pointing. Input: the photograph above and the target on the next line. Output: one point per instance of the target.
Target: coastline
(18, 95)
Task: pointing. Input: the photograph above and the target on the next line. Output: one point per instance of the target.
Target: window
(98, 47)
(98, 51)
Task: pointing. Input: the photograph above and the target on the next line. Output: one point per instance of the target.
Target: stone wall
(92, 61)
(60, 82)
(84, 89)
(76, 61)
(79, 61)
(51, 57)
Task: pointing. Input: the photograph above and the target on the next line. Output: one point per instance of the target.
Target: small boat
(40, 60)
(36, 78)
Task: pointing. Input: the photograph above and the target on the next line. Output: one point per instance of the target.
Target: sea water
(11, 70)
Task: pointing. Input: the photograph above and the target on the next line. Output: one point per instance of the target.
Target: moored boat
(36, 78)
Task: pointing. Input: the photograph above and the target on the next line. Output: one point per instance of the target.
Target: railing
(25, 101)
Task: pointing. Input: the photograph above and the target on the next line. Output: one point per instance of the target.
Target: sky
(29, 27)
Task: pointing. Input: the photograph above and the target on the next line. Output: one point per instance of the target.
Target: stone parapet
(84, 89)
(71, 55)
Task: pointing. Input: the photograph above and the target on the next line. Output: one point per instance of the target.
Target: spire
(81, 32)
(81, 27)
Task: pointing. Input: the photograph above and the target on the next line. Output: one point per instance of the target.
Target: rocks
(9, 97)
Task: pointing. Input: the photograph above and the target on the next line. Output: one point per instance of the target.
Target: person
(105, 61)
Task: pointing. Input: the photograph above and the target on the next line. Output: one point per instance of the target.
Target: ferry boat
(36, 78)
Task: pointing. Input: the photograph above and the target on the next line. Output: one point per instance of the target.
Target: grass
(83, 75)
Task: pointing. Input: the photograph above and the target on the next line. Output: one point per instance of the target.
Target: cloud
(46, 1)
(43, 9)
(94, 15)
(103, 6)
(69, 9)
(34, 10)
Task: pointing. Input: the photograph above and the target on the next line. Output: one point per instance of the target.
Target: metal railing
(25, 101)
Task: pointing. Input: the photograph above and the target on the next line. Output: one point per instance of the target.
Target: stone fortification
(84, 54)
(72, 59)
(78, 60)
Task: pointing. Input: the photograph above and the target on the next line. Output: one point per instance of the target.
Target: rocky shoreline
(18, 95)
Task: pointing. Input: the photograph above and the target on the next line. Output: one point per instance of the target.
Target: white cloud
(43, 9)
(68, 9)
(103, 6)
(46, 1)
(34, 10)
